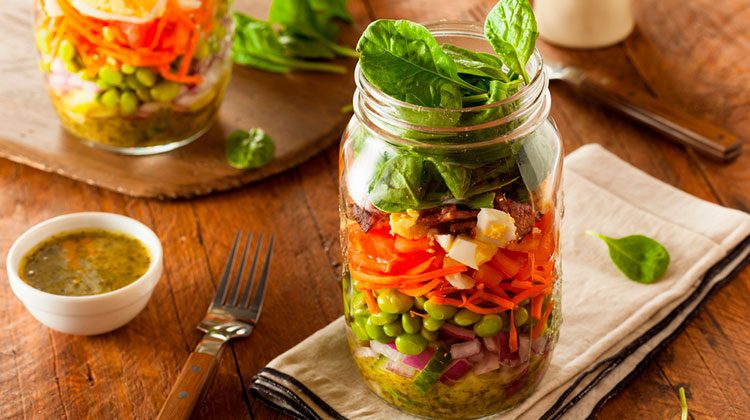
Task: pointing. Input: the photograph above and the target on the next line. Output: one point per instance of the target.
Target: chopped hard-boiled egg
(445, 241)
(470, 252)
(131, 11)
(405, 224)
(460, 281)
(495, 227)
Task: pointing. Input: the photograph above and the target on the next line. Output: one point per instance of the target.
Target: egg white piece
(120, 10)
(495, 227)
(460, 281)
(470, 252)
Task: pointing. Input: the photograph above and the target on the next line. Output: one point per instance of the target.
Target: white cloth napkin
(611, 325)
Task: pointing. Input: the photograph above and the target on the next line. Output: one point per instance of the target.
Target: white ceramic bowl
(86, 315)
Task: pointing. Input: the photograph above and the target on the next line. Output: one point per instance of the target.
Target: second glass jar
(449, 228)
(135, 80)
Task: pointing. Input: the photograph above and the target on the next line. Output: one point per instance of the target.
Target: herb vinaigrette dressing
(85, 262)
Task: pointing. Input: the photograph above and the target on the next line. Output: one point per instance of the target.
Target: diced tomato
(508, 262)
(412, 245)
(488, 275)
(139, 35)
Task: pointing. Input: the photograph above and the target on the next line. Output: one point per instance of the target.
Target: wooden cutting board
(301, 111)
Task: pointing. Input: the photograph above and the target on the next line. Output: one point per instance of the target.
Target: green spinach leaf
(256, 44)
(299, 19)
(332, 9)
(405, 61)
(511, 29)
(398, 184)
(249, 149)
(639, 257)
(476, 63)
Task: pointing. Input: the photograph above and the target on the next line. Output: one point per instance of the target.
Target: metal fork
(229, 316)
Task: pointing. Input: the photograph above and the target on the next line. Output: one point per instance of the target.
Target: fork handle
(190, 387)
(704, 136)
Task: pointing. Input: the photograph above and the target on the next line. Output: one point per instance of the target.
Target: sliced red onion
(387, 351)
(466, 349)
(539, 345)
(365, 352)
(420, 361)
(458, 332)
(476, 358)
(401, 369)
(524, 348)
(489, 363)
(457, 370)
(490, 343)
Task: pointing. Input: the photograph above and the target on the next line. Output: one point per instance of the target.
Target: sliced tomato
(405, 245)
(508, 262)
(139, 35)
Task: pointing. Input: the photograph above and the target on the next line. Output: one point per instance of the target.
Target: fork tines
(227, 294)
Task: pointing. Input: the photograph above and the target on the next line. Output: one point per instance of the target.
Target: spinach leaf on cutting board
(639, 257)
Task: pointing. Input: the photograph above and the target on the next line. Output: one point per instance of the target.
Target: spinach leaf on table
(639, 257)
(299, 19)
(256, 44)
(511, 29)
(404, 60)
(249, 149)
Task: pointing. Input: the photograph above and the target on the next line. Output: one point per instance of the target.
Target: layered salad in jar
(131, 75)
(450, 222)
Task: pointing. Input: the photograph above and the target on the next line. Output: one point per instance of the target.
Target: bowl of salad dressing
(85, 273)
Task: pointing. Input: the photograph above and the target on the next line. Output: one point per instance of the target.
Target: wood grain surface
(32, 134)
(690, 54)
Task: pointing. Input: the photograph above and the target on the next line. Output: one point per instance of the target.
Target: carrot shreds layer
(408, 279)
(536, 307)
(420, 268)
(512, 335)
(538, 329)
(421, 290)
(370, 300)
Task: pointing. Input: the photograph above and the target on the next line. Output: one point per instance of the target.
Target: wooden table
(693, 54)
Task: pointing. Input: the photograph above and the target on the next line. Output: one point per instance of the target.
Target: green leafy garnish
(249, 149)
(511, 29)
(639, 257)
(476, 63)
(296, 32)
(405, 61)
(256, 45)
(683, 405)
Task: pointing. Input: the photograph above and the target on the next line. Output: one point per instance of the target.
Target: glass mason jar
(138, 77)
(449, 227)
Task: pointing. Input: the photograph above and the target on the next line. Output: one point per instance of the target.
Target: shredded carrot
(513, 335)
(421, 290)
(506, 263)
(420, 268)
(521, 284)
(483, 310)
(408, 279)
(370, 300)
(419, 314)
(536, 307)
(538, 329)
(528, 293)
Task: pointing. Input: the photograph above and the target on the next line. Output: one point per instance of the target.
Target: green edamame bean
(488, 326)
(66, 51)
(127, 69)
(143, 94)
(394, 302)
(110, 98)
(129, 103)
(133, 83)
(438, 311)
(419, 302)
(145, 76)
(43, 41)
(358, 326)
(432, 324)
(429, 335)
(376, 332)
(102, 84)
(71, 66)
(165, 91)
(110, 76)
(411, 344)
(394, 329)
(411, 324)
(381, 318)
(520, 316)
(465, 317)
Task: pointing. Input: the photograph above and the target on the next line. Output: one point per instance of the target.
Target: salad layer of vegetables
(134, 74)
(451, 272)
